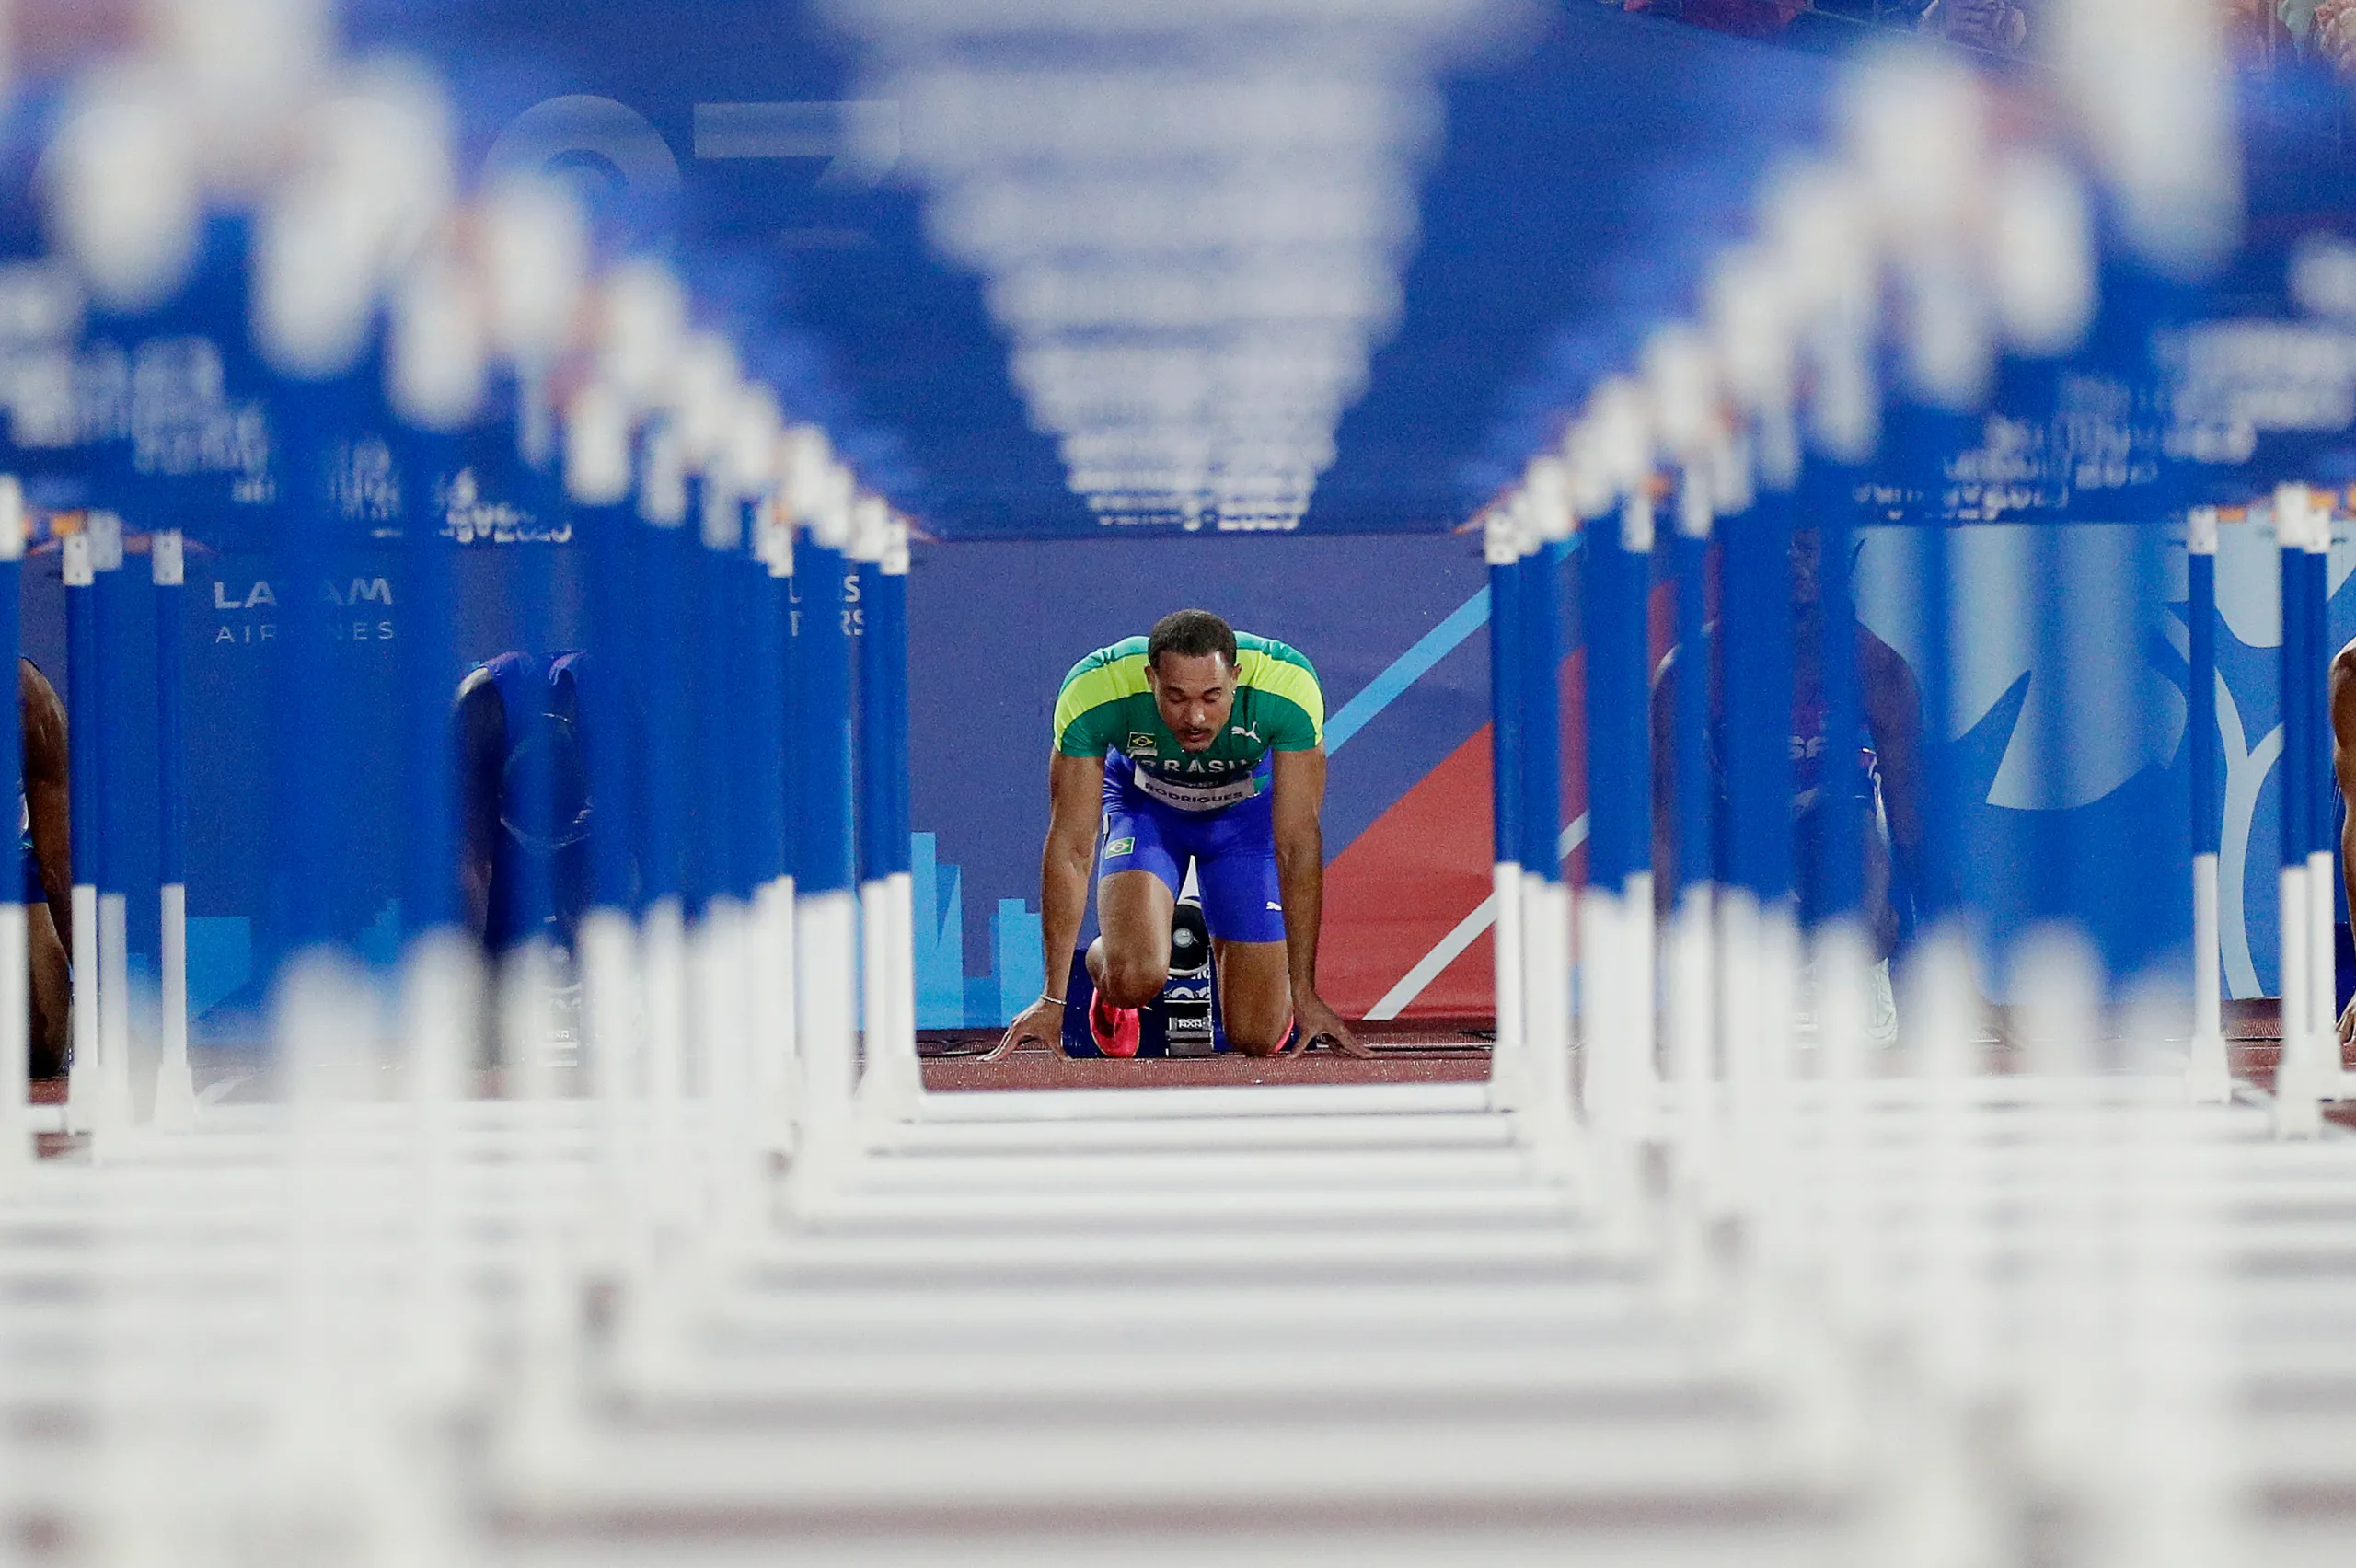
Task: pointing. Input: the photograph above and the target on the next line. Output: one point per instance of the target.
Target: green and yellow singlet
(1106, 706)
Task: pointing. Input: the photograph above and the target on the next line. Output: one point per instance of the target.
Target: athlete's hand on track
(1315, 1022)
(2348, 1023)
(1042, 1020)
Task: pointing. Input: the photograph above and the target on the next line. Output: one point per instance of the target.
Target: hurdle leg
(774, 969)
(2323, 1012)
(2298, 1075)
(174, 1105)
(874, 812)
(1509, 1068)
(826, 918)
(1509, 1060)
(895, 1090)
(2323, 1020)
(1640, 947)
(16, 1147)
(2208, 1073)
(826, 930)
(891, 1090)
(114, 1009)
(613, 1028)
(1845, 959)
(1690, 1013)
(82, 1085)
(1602, 991)
(117, 1113)
(1545, 899)
(1606, 986)
(875, 1003)
(17, 1150)
(1546, 1018)
(662, 948)
(773, 973)
(731, 1112)
(1689, 1009)
(2298, 1110)
(526, 991)
(1627, 719)
(83, 1089)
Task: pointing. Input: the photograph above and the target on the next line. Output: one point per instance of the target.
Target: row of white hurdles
(1788, 1305)
(1846, 1310)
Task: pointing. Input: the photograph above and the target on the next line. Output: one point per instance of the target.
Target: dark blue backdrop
(1591, 164)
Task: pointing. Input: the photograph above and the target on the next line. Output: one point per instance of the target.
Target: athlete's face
(1196, 693)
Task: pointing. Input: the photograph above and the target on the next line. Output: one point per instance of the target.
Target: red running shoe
(1113, 1029)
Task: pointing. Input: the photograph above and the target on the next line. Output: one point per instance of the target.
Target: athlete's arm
(48, 793)
(2343, 767)
(481, 738)
(1075, 805)
(1893, 704)
(1300, 879)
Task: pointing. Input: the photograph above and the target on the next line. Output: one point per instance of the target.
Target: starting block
(1185, 1021)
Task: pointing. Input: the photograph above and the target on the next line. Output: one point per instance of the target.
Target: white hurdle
(753, 1290)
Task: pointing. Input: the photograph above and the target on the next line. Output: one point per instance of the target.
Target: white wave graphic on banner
(2098, 711)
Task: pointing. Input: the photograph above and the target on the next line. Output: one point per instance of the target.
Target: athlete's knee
(1258, 1031)
(1256, 1041)
(1132, 980)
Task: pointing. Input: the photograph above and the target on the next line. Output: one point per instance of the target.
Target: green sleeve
(1292, 728)
(1091, 731)
(1088, 708)
(1294, 700)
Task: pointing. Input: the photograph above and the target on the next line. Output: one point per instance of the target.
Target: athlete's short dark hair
(1190, 634)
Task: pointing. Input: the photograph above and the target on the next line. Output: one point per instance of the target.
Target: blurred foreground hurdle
(1672, 1287)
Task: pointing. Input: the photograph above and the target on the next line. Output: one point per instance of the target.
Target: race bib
(1196, 797)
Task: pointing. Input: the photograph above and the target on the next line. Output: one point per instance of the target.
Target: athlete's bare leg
(1130, 962)
(1255, 995)
(51, 994)
(1881, 913)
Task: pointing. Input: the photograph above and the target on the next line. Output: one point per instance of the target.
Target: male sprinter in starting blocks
(1196, 743)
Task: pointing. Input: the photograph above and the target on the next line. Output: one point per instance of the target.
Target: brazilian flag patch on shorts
(1118, 848)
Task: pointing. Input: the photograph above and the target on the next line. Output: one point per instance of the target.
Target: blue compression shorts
(1233, 849)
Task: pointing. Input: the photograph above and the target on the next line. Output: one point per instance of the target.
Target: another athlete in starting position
(523, 811)
(2343, 766)
(44, 837)
(1196, 743)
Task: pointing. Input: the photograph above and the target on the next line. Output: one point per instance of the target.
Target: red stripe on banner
(1403, 884)
(1417, 870)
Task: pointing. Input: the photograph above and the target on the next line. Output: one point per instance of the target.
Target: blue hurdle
(892, 1088)
(84, 1088)
(174, 1105)
(1501, 546)
(2208, 1073)
(17, 1145)
(1545, 520)
(825, 868)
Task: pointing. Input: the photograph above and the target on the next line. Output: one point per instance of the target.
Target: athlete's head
(1807, 567)
(1190, 664)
